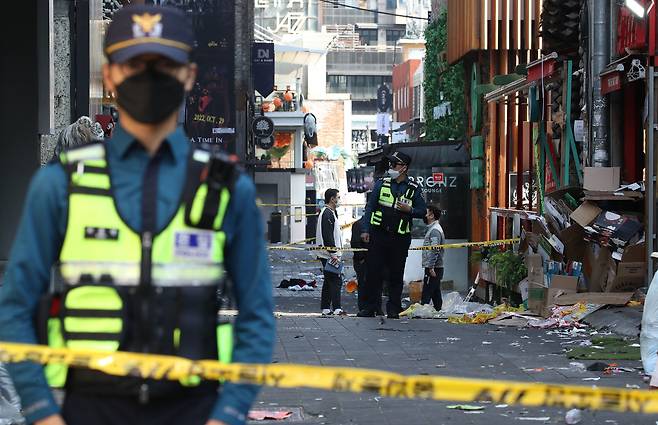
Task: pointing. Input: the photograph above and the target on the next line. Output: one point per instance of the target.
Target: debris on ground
(566, 316)
(606, 348)
(295, 284)
(573, 416)
(266, 415)
(467, 407)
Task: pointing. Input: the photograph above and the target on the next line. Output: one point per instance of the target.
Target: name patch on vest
(196, 245)
(101, 233)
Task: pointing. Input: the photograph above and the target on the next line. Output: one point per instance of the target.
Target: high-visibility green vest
(386, 216)
(125, 290)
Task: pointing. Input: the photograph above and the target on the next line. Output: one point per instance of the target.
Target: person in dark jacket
(359, 259)
(394, 202)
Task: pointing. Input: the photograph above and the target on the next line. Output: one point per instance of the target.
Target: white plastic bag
(649, 333)
(453, 304)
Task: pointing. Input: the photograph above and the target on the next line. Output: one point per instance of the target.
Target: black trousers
(330, 296)
(85, 409)
(432, 288)
(361, 268)
(386, 250)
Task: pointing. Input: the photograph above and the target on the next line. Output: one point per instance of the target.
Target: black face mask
(151, 96)
(425, 220)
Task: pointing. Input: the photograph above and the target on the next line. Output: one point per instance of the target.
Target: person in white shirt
(328, 234)
(433, 259)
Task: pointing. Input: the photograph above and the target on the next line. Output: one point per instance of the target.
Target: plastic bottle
(649, 333)
(573, 416)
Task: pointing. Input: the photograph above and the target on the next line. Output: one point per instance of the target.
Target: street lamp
(636, 7)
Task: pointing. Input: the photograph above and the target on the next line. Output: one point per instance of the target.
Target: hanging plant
(440, 77)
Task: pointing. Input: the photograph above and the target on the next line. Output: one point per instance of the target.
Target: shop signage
(263, 129)
(210, 106)
(262, 59)
(611, 82)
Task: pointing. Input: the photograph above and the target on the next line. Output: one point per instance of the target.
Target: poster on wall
(446, 187)
(210, 107)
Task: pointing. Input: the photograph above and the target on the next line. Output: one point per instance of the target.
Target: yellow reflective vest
(385, 216)
(119, 289)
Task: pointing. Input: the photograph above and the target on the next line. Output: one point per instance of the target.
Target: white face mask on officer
(394, 172)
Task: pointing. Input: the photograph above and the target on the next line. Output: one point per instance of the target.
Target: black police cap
(142, 29)
(399, 157)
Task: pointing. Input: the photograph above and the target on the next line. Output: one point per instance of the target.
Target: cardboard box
(601, 178)
(586, 213)
(631, 271)
(601, 298)
(629, 276)
(536, 297)
(542, 298)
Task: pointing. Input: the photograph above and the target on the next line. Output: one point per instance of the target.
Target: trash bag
(420, 311)
(649, 333)
(453, 303)
(10, 406)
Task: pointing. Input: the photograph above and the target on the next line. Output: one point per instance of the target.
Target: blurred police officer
(394, 202)
(142, 230)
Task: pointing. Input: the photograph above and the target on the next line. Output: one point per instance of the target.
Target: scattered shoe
(326, 312)
(365, 313)
(340, 312)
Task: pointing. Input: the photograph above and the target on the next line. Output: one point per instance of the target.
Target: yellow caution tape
(465, 244)
(417, 248)
(306, 205)
(303, 241)
(386, 384)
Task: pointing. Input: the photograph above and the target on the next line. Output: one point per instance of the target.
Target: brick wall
(330, 116)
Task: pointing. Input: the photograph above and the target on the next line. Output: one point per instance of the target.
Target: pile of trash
(456, 310)
(298, 285)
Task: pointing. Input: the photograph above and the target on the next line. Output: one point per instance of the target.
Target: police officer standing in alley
(139, 233)
(394, 202)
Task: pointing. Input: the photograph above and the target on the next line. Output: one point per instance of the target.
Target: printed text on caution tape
(354, 380)
(416, 248)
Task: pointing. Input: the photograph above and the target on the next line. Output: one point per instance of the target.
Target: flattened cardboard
(574, 248)
(601, 178)
(598, 267)
(535, 267)
(601, 298)
(586, 213)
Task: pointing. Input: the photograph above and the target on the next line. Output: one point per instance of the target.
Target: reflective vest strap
(93, 313)
(208, 208)
(376, 218)
(386, 197)
(55, 372)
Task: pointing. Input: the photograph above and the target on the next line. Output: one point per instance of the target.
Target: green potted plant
(510, 269)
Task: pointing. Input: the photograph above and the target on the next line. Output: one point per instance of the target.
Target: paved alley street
(417, 346)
